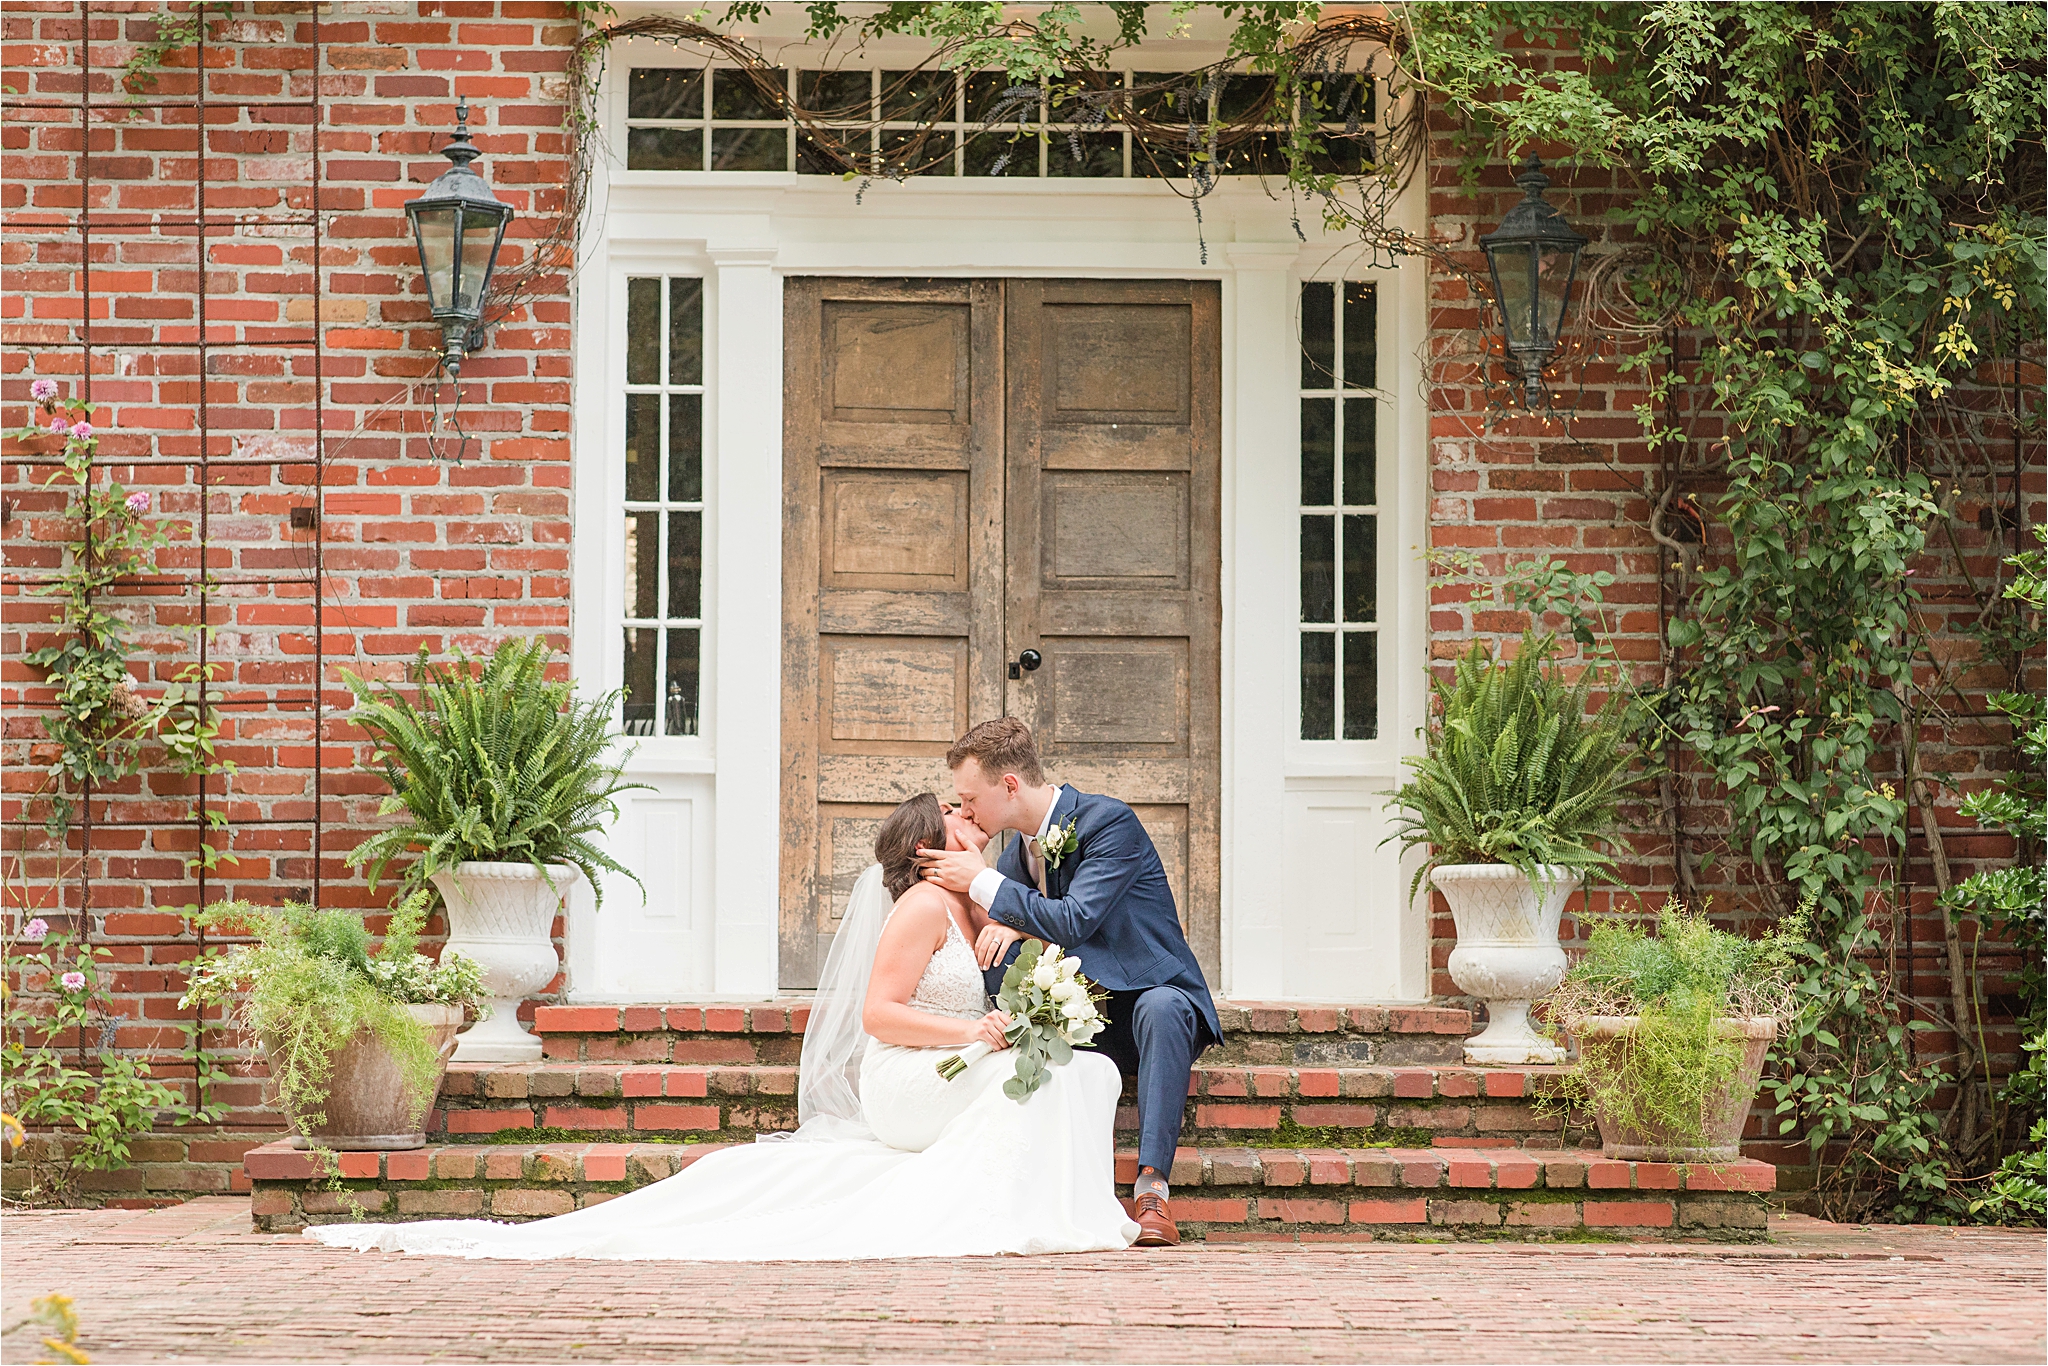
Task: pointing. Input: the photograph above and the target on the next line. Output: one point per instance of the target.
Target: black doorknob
(1026, 662)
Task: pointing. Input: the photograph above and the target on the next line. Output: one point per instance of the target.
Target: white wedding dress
(923, 1167)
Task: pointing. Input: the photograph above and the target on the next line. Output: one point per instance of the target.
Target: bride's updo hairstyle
(917, 824)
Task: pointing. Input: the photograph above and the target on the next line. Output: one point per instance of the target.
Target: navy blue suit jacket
(1109, 905)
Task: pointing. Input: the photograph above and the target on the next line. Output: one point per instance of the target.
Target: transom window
(945, 123)
(1339, 511)
(664, 508)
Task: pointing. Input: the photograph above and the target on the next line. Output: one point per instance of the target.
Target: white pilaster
(1259, 587)
(745, 385)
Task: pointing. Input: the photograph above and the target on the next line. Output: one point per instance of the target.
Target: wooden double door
(974, 469)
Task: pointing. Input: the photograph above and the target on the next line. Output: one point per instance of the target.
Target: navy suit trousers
(1153, 1035)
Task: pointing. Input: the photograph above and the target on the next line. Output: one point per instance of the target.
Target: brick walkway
(193, 1284)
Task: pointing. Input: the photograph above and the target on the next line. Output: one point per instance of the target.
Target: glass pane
(685, 564)
(1361, 335)
(436, 231)
(685, 448)
(1337, 153)
(681, 712)
(740, 94)
(1318, 451)
(1361, 567)
(992, 97)
(833, 94)
(1318, 335)
(638, 717)
(1102, 154)
(928, 151)
(917, 96)
(1361, 685)
(664, 149)
(479, 245)
(685, 330)
(1265, 154)
(749, 149)
(643, 447)
(1511, 273)
(643, 331)
(665, 93)
(1554, 279)
(1319, 568)
(814, 157)
(1155, 159)
(1172, 103)
(1360, 450)
(1244, 96)
(1318, 685)
(643, 553)
(1006, 154)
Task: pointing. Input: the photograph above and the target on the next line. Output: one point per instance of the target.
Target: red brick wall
(413, 550)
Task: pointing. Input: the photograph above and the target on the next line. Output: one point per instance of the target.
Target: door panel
(892, 568)
(1113, 542)
(976, 468)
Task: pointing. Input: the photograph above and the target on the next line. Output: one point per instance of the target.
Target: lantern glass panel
(1511, 278)
(436, 231)
(1555, 266)
(479, 244)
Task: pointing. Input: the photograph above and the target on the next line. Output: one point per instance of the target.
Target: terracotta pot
(367, 1107)
(1507, 953)
(1725, 1113)
(503, 916)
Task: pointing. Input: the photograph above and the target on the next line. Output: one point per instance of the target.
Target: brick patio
(193, 1283)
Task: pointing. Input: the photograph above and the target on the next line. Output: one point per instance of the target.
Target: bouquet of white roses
(1052, 1010)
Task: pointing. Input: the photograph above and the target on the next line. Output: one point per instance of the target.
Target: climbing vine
(1838, 218)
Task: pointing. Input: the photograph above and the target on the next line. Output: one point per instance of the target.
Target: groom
(1087, 878)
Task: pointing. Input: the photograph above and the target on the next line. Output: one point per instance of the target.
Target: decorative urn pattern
(502, 915)
(1507, 953)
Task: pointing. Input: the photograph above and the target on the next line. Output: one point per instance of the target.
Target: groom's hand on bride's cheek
(953, 869)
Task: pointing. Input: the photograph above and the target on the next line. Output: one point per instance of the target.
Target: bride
(889, 1159)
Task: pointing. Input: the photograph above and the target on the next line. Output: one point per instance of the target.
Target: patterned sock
(1149, 1180)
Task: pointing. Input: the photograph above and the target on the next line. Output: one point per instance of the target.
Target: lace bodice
(951, 984)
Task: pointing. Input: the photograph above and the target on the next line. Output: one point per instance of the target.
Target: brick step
(1453, 1106)
(1255, 1034)
(1220, 1194)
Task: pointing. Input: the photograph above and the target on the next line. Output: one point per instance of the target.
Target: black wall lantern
(1534, 256)
(457, 225)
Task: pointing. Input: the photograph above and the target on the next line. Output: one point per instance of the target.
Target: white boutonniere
(1059, 842)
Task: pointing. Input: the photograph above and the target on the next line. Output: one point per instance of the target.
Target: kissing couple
(890, 1159)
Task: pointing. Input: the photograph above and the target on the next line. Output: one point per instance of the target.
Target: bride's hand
(993, 942)
(989, 1030)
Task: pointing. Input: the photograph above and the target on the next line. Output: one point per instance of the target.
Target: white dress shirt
(982, 891)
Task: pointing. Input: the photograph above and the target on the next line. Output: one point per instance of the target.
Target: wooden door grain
(892, 568)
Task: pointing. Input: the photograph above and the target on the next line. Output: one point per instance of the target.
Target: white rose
(1045, 974)
(1064, 990)
(1078, 1009)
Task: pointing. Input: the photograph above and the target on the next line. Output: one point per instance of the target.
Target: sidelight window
(1339, 511)
(664, 505)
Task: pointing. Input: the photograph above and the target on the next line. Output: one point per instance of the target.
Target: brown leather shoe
(1155, 1226)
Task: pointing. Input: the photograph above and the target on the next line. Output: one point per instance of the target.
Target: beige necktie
(1036, 861)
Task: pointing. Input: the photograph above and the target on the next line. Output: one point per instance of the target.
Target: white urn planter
(501, 915)
(1507, 953)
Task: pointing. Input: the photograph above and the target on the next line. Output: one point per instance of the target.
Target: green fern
(1517, 771)
(496, 764)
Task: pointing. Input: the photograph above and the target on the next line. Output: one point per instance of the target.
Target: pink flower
(73, 981)
(43, 390)
(138, 503)
(34, 931)
(81, 431)
(58, 426)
